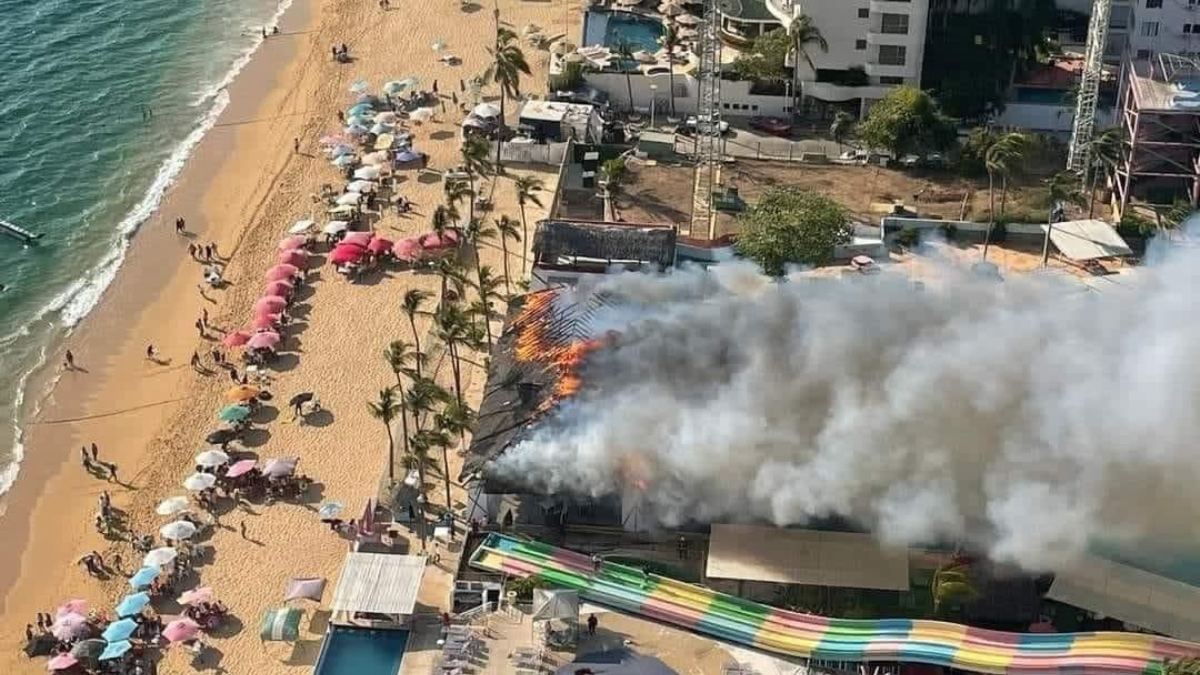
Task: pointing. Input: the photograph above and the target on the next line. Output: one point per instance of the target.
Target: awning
(379, 583)
(1087, 240)
(281, 625)
(758, 553)
(1132, 595)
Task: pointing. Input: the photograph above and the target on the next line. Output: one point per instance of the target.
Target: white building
(1148, 27)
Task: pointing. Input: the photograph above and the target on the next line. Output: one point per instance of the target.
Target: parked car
(933, 160)
(772, 125)
(688, 128)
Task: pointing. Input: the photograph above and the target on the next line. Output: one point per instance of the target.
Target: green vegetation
(792, 226)
(952, 586)
(1184, 666)
(843, 124)
(907, 121)
(508, 64)
(765, 59)
(569, 79)
(524, 587)
(804, 34)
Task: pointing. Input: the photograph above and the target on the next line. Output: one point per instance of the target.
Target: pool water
(361, 651)
(610, 29)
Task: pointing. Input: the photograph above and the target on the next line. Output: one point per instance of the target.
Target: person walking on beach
(150, 352)
(195, 361)
(95, 453)
(592, 622)
(69, 360)
(204, 317)
(86, 461)
(180, 225)
(296, 145)
(192, 251)
(112, 472)
(200, 328)
(242, 527)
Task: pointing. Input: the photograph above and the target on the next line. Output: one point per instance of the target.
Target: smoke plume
(1028, 417)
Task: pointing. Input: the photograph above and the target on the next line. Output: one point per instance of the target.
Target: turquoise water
(79, 160)
(610, 29)
(361, 651)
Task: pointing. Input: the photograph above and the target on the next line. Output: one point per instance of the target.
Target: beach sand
(242, 188)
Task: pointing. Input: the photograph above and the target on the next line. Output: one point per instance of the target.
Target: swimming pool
(609, 29)
(361, 651)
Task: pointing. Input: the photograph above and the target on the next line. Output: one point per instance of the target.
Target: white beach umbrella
(421, 115)
(335, 226)
(388, 117)
(172, 505)
(211, 458)
(301, 227)
(349, 199)
(486, 110)
(180, 529)
(367, 172)
(361, 186)
(380, 128)
(360, 86)
(344, 161)
(687, 20)
(667, 9)
(159, 557)
(438, 45)
(375, 158)
(199, 481)
(342, 210)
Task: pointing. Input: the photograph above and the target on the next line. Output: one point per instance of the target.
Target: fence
(533, 153)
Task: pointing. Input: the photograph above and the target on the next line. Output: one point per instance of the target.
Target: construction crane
(708, 124)
(1079, 155)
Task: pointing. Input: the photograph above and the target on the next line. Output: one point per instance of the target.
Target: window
(1191, 29)
(1150, 28)
(860, 45)
(1153, 4)
(893, 24)
(1187, 28)
(1143, 54)
(892, 55)
(890, 79)
(864, 12)
(1120, 17)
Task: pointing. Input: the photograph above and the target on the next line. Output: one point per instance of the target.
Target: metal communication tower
(708, 124)
(1089, 88)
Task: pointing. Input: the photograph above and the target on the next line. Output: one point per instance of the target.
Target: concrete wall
(1027, 232)
(534, 153)
(1047, 118)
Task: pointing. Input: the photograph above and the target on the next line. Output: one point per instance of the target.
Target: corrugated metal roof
(379, 582)
(1088, 240)
(1134, 596)
(843, 559)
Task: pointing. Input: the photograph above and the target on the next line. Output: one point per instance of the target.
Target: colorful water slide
(794, 634)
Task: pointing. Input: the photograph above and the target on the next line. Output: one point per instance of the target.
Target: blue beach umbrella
(360, 86)
(143, 577)
(233, 413)
(330, 510)
(407, 156)
(133, 604)
(359, 109)
(115, 650)
(120, 630)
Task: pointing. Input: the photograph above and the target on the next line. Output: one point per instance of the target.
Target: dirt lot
(657, 194)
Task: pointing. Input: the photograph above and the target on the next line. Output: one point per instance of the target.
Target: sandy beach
(241, 189)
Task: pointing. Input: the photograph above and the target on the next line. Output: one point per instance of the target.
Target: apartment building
(1147, 27)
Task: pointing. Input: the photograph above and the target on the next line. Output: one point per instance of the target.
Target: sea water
(101, 103)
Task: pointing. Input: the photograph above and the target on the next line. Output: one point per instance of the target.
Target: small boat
(18, 232)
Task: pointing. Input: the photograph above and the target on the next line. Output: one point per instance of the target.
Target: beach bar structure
(378, 589)
(1159, 102)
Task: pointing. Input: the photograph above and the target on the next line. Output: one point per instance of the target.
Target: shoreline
(61, 399)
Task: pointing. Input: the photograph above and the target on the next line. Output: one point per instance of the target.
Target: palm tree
(625, 50)
(804, 33)
(669, 41)
(452, 329)
(454, 420)
(384, 410)
(1182, 666)
(527, 189)
(411, 306)
(476, 233)
(457, 191)
(998, 160)
(507, 229)
(1105, 155)
(474, 154)
(488, 287)
(952, 585)
(452, 274)
(1061, 188)
(612, 174)
(398, 356)
(508, 64)
(843, 124)
(1015, 144)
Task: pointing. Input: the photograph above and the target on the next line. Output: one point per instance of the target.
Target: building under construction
(1160, 114)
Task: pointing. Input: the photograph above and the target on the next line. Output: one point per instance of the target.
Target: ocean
(100, 105)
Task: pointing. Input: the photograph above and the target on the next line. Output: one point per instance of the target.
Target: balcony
(876, 69)
(783, 10)
(891, 6)
(875, 38)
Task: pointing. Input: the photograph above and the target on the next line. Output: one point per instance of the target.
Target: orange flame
(534, 344)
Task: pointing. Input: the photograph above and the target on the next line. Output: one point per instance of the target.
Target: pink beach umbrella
(197, 595)
(270, 304)
(434, 242)
(379, 245)
(181, 630)
(359, 238)
(293, 243)
(75, 606)
(241, 468)
(62, 662)
(408, 250)
(347, 254)
(264, 322)
(293, 258)
(235, 339)
(264, 340)
(70, 626)
(281, 272)
(282, 288)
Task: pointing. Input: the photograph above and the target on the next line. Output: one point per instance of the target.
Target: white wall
(1048, 118)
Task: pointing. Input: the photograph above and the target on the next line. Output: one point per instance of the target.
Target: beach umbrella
(199, 481)
(392, 88)
(181, 630)
(197, 595)
(687, 19)
(163, 555)
(350, 198)
(330, 510)
(344, 161)
(265, 340)
(301, 226)
(375, 158)
(178, 530)
(281, 272)
(367, 173)
(75, 606)
(62, 662)
(143, 578)
(434, 241)
(345, 255)
(219, 437)
(270, 304)
(293, 242)
(301, 398)
(211, 458)
(387, 117)
(421, 115)
(407, 156)
(335, 226)
(241, 393)
(340, 149)
(280, 467)
(120, 630)
(408, 250)
(70, 626)
(358, 109)
(283, 288)
(360, 86)
(241, 468)
(234, 413)
(379, 128)
(265, 322)
(343, 210)
(135, 603)
(357, 239)
(88, 649)
(295, 258)
(235, 339)
(330, 139)
(666, 8)
(688, 32)
(486, 110)
(361, 186)
(475, 122)
(281, 625)
(379, 245)
(438, 45)
(172, 505)
(115, 650)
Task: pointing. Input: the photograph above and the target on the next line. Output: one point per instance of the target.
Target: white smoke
(1027, 417)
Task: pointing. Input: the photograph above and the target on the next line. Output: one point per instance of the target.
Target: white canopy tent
(1082, 240)
(379, 583)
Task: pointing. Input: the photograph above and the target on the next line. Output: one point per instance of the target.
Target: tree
(1105, 155)
(398, 356)
(612, 175)
(952, 586)
(1061, 188)
(452, 330)
(1000, 160)
(1182, 666)
(384, 410)
(843, 124)
(411, 306)
(765, 60)
(476, 233)
(488, 288)
(527, 188)
(804, 34)
(508, 64)
(474, 154)
(905, 121)
(454, 420)
(669, 41)
(507, 228)
(791, 225)
(456, 192)
(624, 50)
